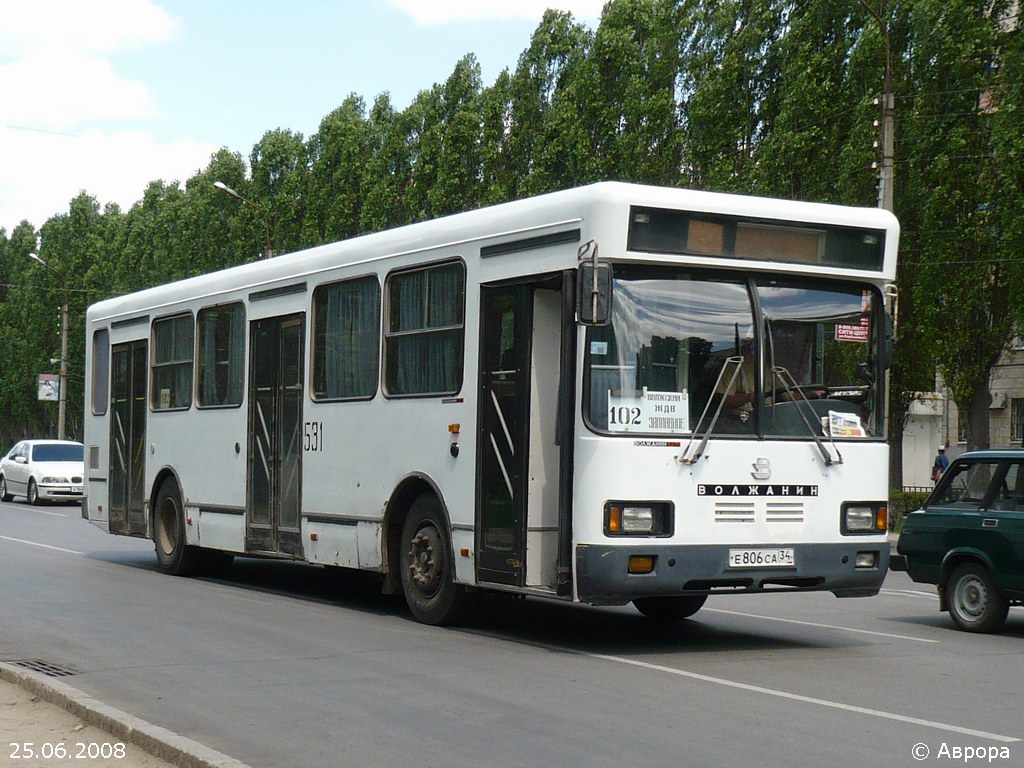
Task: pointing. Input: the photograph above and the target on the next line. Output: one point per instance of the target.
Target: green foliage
(774, 97)
(338, 153)
(545, 133)
(279, 171)
(961, 241)
(730, 66)
(901, 504)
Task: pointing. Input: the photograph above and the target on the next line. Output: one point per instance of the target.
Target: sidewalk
(53, 724)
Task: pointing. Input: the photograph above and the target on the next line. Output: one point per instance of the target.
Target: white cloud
(430, 12)
(57, 84)
(60, 89)
(42, 172)
(97, 26)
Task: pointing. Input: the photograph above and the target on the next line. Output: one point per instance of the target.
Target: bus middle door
(126, 477)
(273, 503)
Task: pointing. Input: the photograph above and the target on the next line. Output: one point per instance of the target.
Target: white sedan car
(43, 470)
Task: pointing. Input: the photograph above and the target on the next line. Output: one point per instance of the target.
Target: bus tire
(666, 609)
(427, 565)
(975, 602)
(173, 555)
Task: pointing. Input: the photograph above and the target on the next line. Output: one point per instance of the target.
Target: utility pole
(885, 201)
(62, 404)
(885, 180)
(62, 397)
(888, 131)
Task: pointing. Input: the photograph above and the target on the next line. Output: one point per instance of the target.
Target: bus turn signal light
(614, 519)
(882, 519)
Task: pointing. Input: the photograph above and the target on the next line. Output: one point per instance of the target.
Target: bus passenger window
(173, 345)
(221, 355)
(100, 371)
(424, 335)
(346, 339)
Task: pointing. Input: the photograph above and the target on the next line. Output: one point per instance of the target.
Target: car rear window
(58, 453)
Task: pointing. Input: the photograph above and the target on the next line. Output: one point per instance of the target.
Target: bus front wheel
(427, 566)
(669, 608)
(173, 555)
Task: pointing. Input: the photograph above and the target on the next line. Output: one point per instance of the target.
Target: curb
(159, 742)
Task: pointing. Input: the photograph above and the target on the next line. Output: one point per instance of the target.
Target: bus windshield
(781, 356)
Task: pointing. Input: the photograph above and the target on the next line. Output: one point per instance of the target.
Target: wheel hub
(167, 528)
(971, 597)
(424, 567)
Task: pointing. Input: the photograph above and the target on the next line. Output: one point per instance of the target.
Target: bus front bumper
(603, 572)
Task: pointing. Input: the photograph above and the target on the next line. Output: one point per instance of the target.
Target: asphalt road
(284, 665)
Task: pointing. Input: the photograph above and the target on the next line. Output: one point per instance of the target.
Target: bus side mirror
(594, 293)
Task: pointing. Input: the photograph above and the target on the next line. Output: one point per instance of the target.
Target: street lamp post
(62, 396)
(268, 250)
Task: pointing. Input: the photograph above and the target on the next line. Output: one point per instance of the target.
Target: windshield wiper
(781, 373)
(736, 364)
(803, 405)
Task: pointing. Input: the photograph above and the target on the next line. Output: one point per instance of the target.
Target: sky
(107, 95)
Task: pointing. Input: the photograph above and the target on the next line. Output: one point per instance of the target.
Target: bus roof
(511, 221)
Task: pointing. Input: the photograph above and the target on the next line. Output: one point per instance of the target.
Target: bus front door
(274, 481)
(126, 504)
(503, 441)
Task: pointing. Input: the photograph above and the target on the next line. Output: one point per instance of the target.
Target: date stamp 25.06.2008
(65, 750)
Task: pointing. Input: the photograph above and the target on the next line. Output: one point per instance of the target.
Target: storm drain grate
(43, 667)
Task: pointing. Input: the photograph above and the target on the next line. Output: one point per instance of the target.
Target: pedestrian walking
(940, 464)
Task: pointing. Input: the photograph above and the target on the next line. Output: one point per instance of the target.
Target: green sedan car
(968, 539)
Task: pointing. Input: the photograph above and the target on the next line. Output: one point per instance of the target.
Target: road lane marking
(910, 593)
(807, 699)
(44, 546)
(44, 512)
(822, 626)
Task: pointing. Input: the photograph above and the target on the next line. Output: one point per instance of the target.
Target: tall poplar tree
(962, 247)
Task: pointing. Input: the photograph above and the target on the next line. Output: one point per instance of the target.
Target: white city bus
(541, 397)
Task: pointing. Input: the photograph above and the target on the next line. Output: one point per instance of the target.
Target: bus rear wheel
(669, 608)
(173, 555)
(427, 566)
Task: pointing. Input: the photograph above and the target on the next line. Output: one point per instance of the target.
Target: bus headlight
(864, 517)
(637, 519)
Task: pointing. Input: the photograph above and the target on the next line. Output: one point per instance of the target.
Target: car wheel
(33, 492)
(667, 609)
(975, 602)
(173, 555)
(4, 495)
(427, 566)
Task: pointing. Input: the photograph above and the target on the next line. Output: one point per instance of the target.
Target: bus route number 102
(622, 414)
